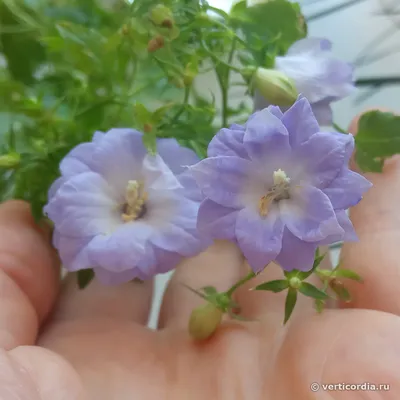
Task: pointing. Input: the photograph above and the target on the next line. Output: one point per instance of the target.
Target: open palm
(62, 343)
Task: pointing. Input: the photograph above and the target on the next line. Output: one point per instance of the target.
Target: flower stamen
(279, 191)
(135, 201)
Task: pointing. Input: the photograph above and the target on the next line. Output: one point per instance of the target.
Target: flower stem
(339, 129)
(249, 276)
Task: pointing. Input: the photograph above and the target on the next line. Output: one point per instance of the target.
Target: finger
(375, 256)
(129, 301)
(29, 275)
(268, 306)
(219, 266)
(339, 346)
(33, 373)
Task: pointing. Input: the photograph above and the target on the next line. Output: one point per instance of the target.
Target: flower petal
(300, 122)
(309, 215)
(260, 239)
(276, 111)
(223, 179)
(323, 112)
(266, 137)
(228, 142)
(107, 277)
(349, 234)
(346, 189)
(216, 221)
(73, 252)
(324, 155)
(176, 156)
(118, 157)
(179, 234)
(157, 176)
(310, 45)
(317, 74)
(84, 206)
(124, 249)
(77, 160)
(295, 253)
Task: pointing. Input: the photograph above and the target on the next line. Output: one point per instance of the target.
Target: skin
(61, 343)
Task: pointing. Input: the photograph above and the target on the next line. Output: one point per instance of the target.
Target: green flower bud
(190, 73)
(162, 16)
(275, 87)
(155, 44)
(294, 282)
(251, 3)
(10, 160)
(204, 321)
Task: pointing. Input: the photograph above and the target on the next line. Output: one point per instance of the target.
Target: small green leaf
(209, 290)
(290, 303)
(378, 137)
(318, 259)
(347, 273)
(340, 290)
(319, 305)
(274, 286)
(84, 277)
(311, 291)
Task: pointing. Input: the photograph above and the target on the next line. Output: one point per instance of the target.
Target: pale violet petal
(228, 142)
(157, 175)
(260, 239)
(323, 156)
(295, 253)
(266, 137)
(348, 234)
(176, 156)
(346, 189)
(223, 179)
(300, 122)
(84, 206)
(216, 221)
(309, 215)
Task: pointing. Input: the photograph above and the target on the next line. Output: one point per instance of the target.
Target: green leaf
(378, 137)
(319, 305)
(276, 22)
(22, 51)
(209, 290)
(311, 291)
(290, 303)
(347, 273)
(340, 290)
(84, 277)
(274, 286)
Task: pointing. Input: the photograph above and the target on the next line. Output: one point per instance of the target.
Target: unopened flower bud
(162, 16)
(251, 3)
(294, 282)
(204, 321)
(147, 128)
(10, 160)
(190, 73)
(276, 87)
(155, 44)
(125, 30)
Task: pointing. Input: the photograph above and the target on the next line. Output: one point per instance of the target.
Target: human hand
(62, 343)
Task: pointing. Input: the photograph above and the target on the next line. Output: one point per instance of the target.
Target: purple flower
(317, 75)
(279, 187)
(122, 211)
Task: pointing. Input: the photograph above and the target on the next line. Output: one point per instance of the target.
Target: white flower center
(280, 190)
(135, 201)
